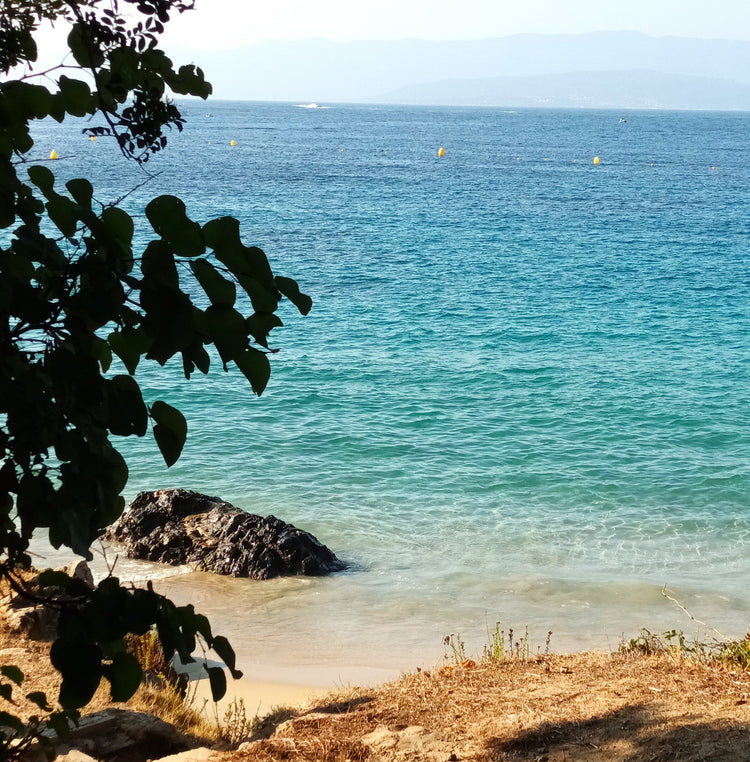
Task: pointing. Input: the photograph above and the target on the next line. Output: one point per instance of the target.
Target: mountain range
(595, 70)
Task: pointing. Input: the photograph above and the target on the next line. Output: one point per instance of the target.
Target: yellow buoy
(53, 155)
(596, 159)
(232, 143)
(93, 137)
(441, 151)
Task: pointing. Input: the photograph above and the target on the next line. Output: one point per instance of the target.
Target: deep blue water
(523, 392)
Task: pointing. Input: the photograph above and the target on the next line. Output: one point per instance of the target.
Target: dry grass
(590, 706)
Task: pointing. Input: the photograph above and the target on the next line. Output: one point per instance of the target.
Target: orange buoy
(53, 155)
(596, 159)
(441, 151)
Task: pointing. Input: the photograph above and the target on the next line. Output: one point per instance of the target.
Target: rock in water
(177, 526)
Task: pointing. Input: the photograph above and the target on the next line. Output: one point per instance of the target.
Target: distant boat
(308, 105)
(623, 120)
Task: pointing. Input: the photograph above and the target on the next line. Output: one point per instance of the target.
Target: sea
(522, 394)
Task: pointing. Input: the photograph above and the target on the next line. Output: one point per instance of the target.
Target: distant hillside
(322, 70)
(611, 89)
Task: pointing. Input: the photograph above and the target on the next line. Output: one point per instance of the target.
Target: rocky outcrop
(119, 735)
(177, 526)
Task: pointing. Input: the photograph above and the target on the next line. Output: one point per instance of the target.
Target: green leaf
(43, 178)
(126, 410)
(129, 344)
(169, 219)
(218, 681)
(119, 224)
(101, 351)
(260, 324)
(80, 664)
(170, 431)
(218, 289)
(247, 263)
(63, 212)
(81, 190)
(255, 367)
(227, 329)
(158, 267)
(226, 653)
(291, 291)
(263, 296)
(85, 51)
(124, 675)
(190, 81)
(76, 96)
(13, 673)
(60, 722)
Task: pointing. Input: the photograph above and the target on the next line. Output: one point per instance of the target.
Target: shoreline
(257, 697)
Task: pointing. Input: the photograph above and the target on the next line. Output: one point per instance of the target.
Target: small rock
(193, 755)
(412, 743)
(74, 755)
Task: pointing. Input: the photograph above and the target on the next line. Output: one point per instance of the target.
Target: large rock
(177, 526)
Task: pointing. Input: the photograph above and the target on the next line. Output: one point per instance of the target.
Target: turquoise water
(523, 393)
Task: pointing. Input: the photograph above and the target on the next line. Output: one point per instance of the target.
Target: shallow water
(523, 391)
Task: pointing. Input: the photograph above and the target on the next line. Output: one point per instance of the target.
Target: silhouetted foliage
(73, 293)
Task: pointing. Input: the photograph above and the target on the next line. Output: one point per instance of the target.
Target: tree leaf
(169, 219)
(124, 675)
(218, 681)
(63, 212)
(255, 367)
(86, 53)
(76, 96)
(129, 344)
(291, 291)
(60, 722)
(226, 653)
(119, 224)
(260, 324)
(43, 178)
(80, 664)
(81, 190)
(227, 329)
(126, 410)
(218, 289)
(170, 431)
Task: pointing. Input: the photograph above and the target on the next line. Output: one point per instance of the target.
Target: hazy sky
(220, 24)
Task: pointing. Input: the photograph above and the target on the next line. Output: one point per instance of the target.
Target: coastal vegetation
(88, 294)
(673, 700)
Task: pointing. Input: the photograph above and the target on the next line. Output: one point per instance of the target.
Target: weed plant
(731, 653)
(500, 646)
